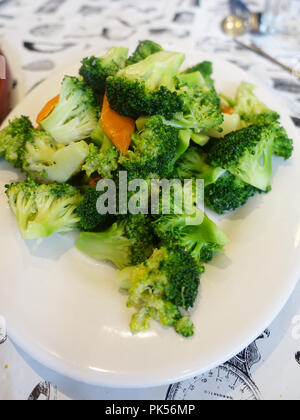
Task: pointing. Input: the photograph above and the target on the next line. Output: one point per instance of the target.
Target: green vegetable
(75, 116)
(191, 229)
(147, 87)
(206, 70)
(143, 50)
(42, 210)
(247, 103)
(101, 139)
(155, 149)
(201, 111)
(253, 111)
(246, 153)
(160, 287)
(95, 70)
(47, 161)
(232, 122)
(90, 219)
(228, 193)
(103, 163)
(13, 138)
(129, 241)
(201, 241)
(193, 165)
(223, 191)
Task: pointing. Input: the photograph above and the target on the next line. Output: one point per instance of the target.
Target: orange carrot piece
(117, 127)
(228, 110)
(46, 111)
(94, 181)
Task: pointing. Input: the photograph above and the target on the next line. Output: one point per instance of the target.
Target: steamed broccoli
(95, 70)
(201, 111)
(247, 103)
(104, 163)
(223, 191)
(75, 116)
(147, 87)
(245, 153)
(283, 144)
(101, 139)
(192, 164)
(90, 219)
(160, 287)
(144, 49)
(253, 112)
(155, 149)
(42, 210)
(201, 241)
(228, 193)
(129, 241)
(47, 161)
(206, 70)
(13, 138)
(190, 228)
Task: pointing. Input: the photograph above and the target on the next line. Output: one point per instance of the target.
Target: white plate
(66, 311)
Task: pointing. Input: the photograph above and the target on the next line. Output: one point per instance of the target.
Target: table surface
(42, 36)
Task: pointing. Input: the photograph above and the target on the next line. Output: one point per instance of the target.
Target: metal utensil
(241, 20)
(233, 24)
(262, 53)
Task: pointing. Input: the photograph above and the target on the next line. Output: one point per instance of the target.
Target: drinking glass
(281, 17)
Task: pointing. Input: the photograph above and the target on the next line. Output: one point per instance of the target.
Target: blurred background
(38, 37)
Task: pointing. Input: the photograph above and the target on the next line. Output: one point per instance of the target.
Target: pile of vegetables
(145, 116)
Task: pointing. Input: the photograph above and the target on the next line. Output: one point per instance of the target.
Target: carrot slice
(46, 111)
(94, 181)
(228, 110)
(117, 127)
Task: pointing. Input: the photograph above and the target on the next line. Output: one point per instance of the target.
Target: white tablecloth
(42, 36)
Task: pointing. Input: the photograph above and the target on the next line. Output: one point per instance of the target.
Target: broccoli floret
(201, 239)
(228, 193)
(104, 163)
(101, 139)
(147, 87)
(246, 102)
(13, 138)
(75, 116)
(201, 111)
(129, 241)
(253, 112)
(184, 326)
(223, 191)
(283, 145)
(192, 164)
(42, 210)
(160, 287)
(206, 70)
(155, 150)
(95, 70)
(47, 161)
(90, 219)
(245, 153)
(144, 49)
